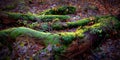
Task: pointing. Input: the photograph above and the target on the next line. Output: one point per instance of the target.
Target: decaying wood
(78, 47)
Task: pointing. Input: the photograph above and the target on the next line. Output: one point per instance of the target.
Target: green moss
(104, 24)
(15, 32)
(52, 39)
(33, 17)
(80, 33)
(26, 31)
(101, 18)
(67, 37)
(79, 22)
(96, 29)
(109, 23)
(46, 18)
(60, 10)
(58, 25)
(14, 15)
(33, 33)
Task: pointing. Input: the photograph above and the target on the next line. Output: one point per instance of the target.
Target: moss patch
(60, 10)
(43, 18)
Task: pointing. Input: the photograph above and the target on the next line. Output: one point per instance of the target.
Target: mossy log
(104, 27)
(91, 35)
(63, 10)
(15, 32)
(58, 25)
(102, 24)
(43, 18)
(33, 17)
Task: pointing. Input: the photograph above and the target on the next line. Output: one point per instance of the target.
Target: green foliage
(82, 22)
(60, 10)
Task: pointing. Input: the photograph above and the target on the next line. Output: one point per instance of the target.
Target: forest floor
(25, 47)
